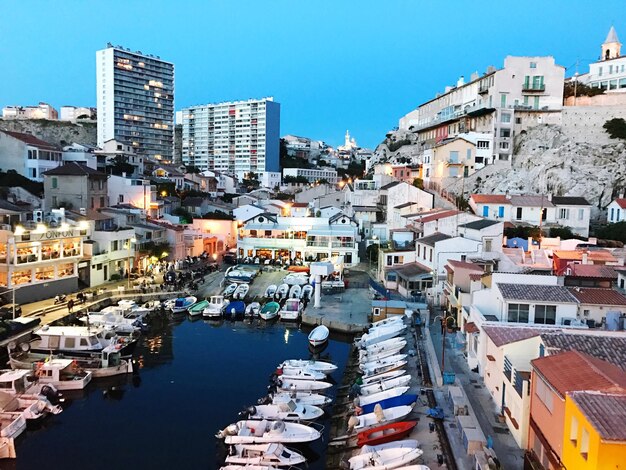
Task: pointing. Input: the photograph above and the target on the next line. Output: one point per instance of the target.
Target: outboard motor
(52, 394)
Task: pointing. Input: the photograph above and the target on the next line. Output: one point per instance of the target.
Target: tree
(580, 89)
(186, 217)
(119, 165)
(616, 128)
(524, 232)
(418, 183)
(251, 181)
(372, 253)
(192, 169)
(322, 181)
(616, 231)
(564, 232)
(461, 203)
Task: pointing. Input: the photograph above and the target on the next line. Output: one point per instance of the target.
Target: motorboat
(296, 268)
(241, 291)
(389, 360)
(300, 374)
(217, 303)
(319, 335)
(401, 400)
(64, 374)
(381, 334)
(115, 321)
(364, 400)
(295, 292)
(12, 424)
(181, 304)
(230, 289)
(386, 433)
(320, 366)
(197, 308)
(290, 411)
(380, 416)
(365, 356)
(370, 379)
(264, 431)
(385, 458)
(301, 385)
(282, 292)
(307, 292)
(300, 398)
(383, 345)
(270, 291)
(276, 455)
(239, 275)
(253, 309)
(383, 367)
(33, 407)
(106, 363)
(247, 467)
(234, 309)
(291, 310)
(388, 321)
(269, 311)
(299, 279)
(386, 385)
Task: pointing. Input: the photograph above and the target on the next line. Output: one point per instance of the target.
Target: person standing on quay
(70, 305)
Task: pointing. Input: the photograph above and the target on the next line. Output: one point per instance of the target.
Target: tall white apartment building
(234, 137)
(135, 99)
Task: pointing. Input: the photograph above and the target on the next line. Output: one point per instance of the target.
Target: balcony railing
(483, 89)
(343, 244)
(533, 87)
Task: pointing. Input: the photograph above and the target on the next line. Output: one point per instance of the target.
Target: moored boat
(319, 335)
(230, 289)
(300, 374)
(401, 400)
(282, 292)
(320, 366)
(386, 361)
(270, 291)
(197, 309)
(295, 292)
(384, 345)
(241, 291)
(234, 310)
(385, 433)
(385, 384)
(216, 305)
(264, 431)
(253, 309)
(385, 459)
(378, 396)
(381, 334)
(269, 311)
(301, 385)
(370, 379)
(307, 292)
(264, 454)
(291, 310)
(289, 411)
(301, 398)
(181, 304)
(381, 416)
(366, 356)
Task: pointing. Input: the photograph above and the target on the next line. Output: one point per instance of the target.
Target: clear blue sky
(332, 64)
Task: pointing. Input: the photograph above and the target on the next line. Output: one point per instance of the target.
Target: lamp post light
(130, 242)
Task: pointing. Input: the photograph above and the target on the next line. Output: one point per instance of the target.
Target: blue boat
(401, 400)
(235, 309)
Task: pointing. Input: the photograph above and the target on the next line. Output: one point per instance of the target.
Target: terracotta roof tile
(608, 348)
(431, 216)
(465, 265)
(30, 139)
(591, 270)
(592, 255)
(598, 296)
(573, 370)
(490, 198)
(539, 293)
(621, 202)
(605, 412)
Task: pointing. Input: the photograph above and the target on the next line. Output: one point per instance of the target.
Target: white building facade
(312, 175)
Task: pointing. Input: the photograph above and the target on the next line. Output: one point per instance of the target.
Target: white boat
(384, 346)
(32, 407)
(115, 320)
(285, 411)
(181, 304)
(264, 431)
(269, 311)
(384, 376)
(300, 374)
(364, 356)
(319, 335)
(247, 467)
(230, 289)
(320, 366)
(241, 291)
(307, 292)
(379, 335)
(385, 459)
(291, 310)
(253, 309)
(301, 385)
(270, 291)
(383, 368)
(399, 444)
(388, 321)
(11, 424)
(385, 385)
(295, 292)
(301, 398)
(217, 303)
(379, 396)
(390, 360)
(414, 467)
(63, 374)
(282, 292)
(382, 416)
(299, 279)
(276, 455)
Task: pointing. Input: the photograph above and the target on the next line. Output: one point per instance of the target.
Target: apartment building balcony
(478, 110)
(483, 89)
(533, 87)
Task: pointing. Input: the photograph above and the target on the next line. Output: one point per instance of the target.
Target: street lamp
(130, 242)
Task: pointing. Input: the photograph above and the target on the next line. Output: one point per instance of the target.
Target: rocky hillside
(56, 132)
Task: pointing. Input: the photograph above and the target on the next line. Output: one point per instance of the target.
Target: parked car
(6, 311)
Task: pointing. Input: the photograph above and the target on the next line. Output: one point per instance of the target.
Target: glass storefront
(21, 277)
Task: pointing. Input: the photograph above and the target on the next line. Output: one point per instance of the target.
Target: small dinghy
(253, 309)
(270, 291)
(319, 335)
(370, 379)
(181, 304)
(276, 455)
(386, 384)
(381, 334)
(384, 345)
(217, 303)
(234, 310)
(301, 385)
(301, 398)
(300, 374)
(384, 367)
(385, 459)
(284, 411)
(365, 356)
(295, 292)
(386, 433)
(307, 292)
(320, 366)
(401, 400)
(380, 416)
(387, 321)
(263, 431)
(282, 292)
(230, 290)
(241, 291)
(269, 311)
(198, 308)
(390, 360)
(378, 396)
(398, 444)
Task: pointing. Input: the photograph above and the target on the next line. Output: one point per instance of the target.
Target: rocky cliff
(60, 133)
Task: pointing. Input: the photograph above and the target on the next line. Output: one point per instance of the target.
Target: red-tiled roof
(490, 198)
(606, 412)
(573, 370)
(30, 139)
(475, 276)
(465, 265)
(299, 204)
(591, 270)
(598, 296)
(501, 335)
(592, 255)
(471, 327)
(430, 216)
(621, 202)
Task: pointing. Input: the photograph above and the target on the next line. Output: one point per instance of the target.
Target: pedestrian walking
(70, 305)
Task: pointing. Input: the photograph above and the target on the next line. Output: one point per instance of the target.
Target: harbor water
(194, 379)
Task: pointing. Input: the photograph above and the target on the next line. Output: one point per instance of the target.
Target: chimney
(507, 195)
(585, 258)
(474, 76)
(549, 196)
(123, 174)
(461, 81)
(447, 89)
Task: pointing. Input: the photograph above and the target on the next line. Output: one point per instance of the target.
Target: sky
(332, 64)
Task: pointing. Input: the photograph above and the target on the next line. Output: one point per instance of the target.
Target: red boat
(385, 433)
(298, 269)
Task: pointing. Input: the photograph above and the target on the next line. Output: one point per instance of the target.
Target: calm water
(196, 377)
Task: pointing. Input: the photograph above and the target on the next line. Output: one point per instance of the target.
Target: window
(544, 393)
(581, 214)
(501, 211)
(70, 343)
(488, 245)
(114, 245)
(33, 172)
(376, 312)
(504, 145)
(92, 203)
(584, 444)
(482, 144)
(55, 182)
(505, 117)
(545, 314)
(389, 260)
(518, 313)
(518, 213)
(505, 132)
(101, 201)
(518, 120)
(454, 157)
(431, 255)
(533, 65)
(503, 100)
(535, 102)
(563, 213)
(573, 431)
(54, 202)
